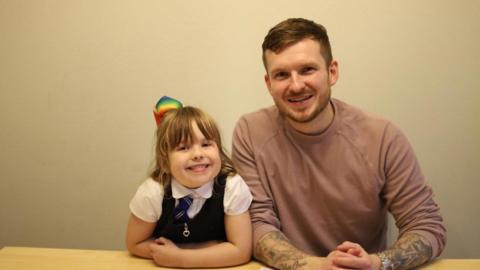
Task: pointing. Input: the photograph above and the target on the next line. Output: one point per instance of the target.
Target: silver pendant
(186, 232)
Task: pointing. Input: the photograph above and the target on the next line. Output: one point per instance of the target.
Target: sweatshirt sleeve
(264, 218)
(409, 198)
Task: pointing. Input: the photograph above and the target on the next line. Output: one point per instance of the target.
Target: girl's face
(195, 163)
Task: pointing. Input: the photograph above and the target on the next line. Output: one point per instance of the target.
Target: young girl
(193, 210)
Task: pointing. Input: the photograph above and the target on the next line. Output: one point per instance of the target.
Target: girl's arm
(236, 250)
(138, 237)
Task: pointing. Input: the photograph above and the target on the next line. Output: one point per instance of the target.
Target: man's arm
(410, 250)
(409, 199)
(275, 250)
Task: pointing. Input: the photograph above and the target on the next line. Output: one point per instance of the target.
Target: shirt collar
(180, 191)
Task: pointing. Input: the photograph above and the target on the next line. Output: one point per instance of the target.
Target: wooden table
(24, 258)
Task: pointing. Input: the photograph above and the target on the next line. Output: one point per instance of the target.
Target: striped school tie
(180, 212)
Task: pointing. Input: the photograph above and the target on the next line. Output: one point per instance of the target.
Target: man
(324, 173)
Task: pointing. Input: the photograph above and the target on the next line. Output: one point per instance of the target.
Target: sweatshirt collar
(316, 138)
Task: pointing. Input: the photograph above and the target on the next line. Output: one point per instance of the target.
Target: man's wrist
(375, 260)
(314, 262)
(385, 262)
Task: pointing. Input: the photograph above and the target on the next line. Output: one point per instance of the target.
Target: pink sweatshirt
(324, 189)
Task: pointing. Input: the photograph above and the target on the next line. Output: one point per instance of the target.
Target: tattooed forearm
(409, 251)
(275, 250)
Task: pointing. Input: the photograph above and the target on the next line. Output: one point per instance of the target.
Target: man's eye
(308, 70)
(280, 75)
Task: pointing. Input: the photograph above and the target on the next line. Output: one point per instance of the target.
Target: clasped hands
(166, 253)
(350, 255)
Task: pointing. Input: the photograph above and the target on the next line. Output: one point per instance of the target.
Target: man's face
(299, 80)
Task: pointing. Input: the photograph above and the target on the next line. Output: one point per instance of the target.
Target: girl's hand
(164, 241)
(166, 253)
(199, 244)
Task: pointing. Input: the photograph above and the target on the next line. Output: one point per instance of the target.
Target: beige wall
(78, 80)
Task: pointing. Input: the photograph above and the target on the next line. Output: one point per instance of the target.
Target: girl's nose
(197, 152)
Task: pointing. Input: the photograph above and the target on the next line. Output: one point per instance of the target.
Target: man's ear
(333, 72)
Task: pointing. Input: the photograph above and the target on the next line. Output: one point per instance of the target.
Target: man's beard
(285, 112)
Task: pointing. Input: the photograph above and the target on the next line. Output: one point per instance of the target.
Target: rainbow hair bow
(165, 104)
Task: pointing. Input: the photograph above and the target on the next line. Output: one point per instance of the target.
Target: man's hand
(275, 250)
(353, 256)
(165, 253)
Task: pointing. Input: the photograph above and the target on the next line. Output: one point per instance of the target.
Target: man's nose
(296, 83)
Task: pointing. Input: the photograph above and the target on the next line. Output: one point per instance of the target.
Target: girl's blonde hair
(176, 127)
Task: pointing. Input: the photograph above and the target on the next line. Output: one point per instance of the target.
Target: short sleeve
(147, 202)
(237, 198)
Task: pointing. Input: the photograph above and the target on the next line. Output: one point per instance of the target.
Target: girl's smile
(195, 163)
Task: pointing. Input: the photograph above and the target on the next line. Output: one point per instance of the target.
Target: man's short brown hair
(293, 30)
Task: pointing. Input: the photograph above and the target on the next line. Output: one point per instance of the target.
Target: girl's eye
(181, 147)
(206, 144)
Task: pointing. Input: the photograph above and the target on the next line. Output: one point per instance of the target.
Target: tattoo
(409, 251)
(275, 250)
